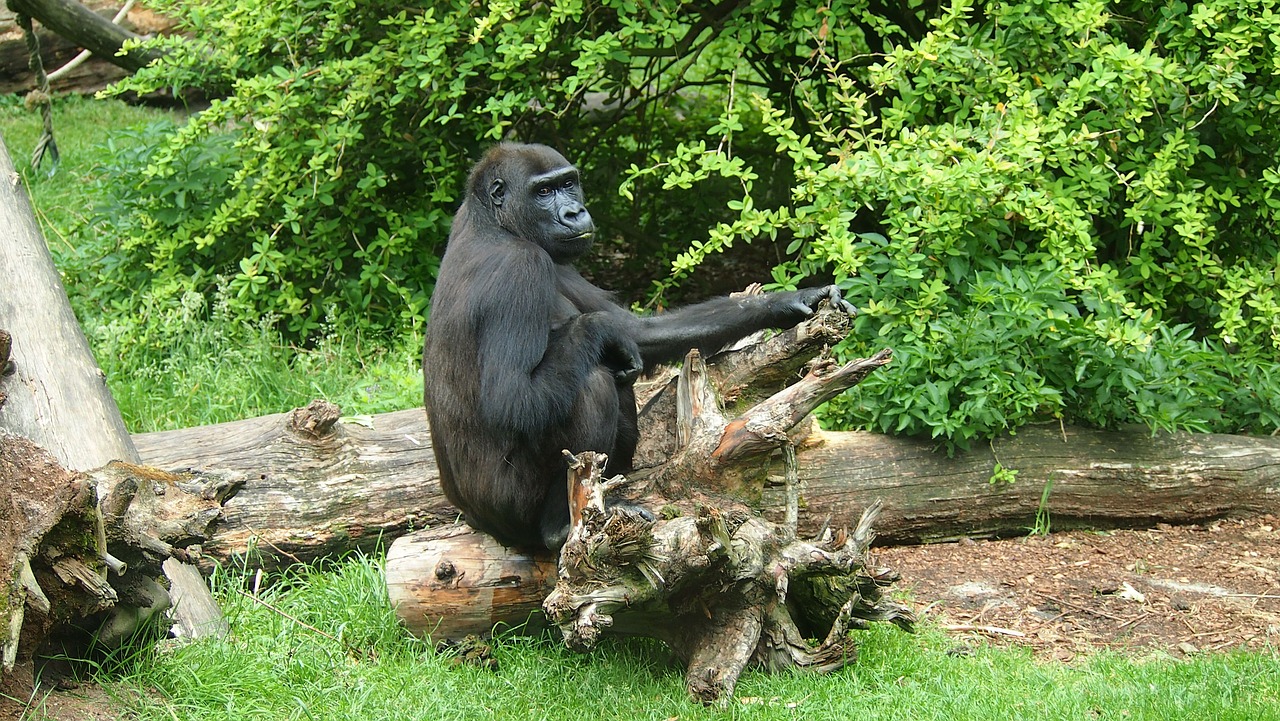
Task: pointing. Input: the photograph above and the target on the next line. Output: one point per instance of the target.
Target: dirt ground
(1182, 590)
(85, 702)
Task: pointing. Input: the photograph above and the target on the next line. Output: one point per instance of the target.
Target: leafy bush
(1050, 210)
(333, 161)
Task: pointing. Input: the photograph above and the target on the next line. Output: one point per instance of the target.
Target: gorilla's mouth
(585, 235)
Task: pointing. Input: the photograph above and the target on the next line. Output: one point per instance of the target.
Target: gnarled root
(719, 585)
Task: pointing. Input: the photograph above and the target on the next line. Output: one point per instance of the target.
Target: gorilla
(525, 358)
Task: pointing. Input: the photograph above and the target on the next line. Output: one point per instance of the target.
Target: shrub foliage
(1050, 210)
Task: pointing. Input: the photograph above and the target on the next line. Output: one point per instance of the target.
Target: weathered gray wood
(56, 51)
(305, 499)
(196, 614)
(1096, 479)
(54, 402)
(56, 396)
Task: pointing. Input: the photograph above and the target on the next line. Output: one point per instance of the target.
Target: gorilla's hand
(604, 335)
(830, 293)
(620, 354)
(804, 302)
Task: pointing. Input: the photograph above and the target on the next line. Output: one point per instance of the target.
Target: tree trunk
(306, 498)
(62, 525)
(90, 76)
(56, 394)
(87, 29)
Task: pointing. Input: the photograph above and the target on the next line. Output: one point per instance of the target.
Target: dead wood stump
(722, 586)
(74, 546)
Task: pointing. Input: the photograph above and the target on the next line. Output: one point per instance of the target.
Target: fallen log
(310, 494)
(90, 76)
(450, 582)
(89, 30)
(366, 483)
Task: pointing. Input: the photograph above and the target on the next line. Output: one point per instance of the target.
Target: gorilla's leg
(593, 426)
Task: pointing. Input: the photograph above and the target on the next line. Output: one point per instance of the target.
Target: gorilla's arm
(530, 373)
(712, 324)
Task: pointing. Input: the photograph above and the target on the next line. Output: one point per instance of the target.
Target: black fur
(524, 358)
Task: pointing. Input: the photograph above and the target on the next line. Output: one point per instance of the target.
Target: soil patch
(66, 702)
(1180, 589)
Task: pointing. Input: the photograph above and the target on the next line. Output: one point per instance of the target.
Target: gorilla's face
(537, 195)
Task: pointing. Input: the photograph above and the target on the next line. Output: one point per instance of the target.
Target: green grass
(193, 372)
(190, 365)
(358, 663)
(81, 126)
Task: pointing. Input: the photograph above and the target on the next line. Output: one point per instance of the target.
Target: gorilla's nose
(576, 216)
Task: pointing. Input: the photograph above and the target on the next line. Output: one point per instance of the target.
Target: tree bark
(363, 485)
(79, 548)
(56, 51)
(87, 29)
(57, 395)
(311, 494)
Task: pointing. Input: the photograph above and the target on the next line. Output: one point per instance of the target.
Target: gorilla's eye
(544, 191)
(568, 184)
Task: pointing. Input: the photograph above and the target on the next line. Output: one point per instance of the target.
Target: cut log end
(452, 582)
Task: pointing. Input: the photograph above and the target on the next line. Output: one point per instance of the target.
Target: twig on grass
(989, 630)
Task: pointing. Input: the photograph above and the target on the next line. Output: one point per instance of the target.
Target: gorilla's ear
(497, 192)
